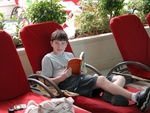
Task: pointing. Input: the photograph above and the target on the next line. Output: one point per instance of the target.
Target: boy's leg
(142, 98)
(117, 100)
(103, 83)
(118, 80)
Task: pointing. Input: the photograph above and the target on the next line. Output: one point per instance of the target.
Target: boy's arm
(67, 73)
(47, 68)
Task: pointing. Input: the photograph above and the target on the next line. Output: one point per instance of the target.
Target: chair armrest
(93, 69)
(127, 63)
(49, 81)
(33, 80)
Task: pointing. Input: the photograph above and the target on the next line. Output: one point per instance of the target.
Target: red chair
(14, 85)
(133, 43)
(16, 1)
(36, 38)
(74, 1)
(148, 18)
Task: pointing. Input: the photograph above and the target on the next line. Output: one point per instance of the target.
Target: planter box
(100, 51)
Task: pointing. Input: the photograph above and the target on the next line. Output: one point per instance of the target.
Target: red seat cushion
(96, 104)
(4, 106)
(12, 75)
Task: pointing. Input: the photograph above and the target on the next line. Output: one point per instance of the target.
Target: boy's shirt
(53, 65)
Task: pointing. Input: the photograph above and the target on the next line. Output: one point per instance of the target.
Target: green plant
(95, 19)
(146, 5)
(112, 7)
(89, 20)
(2, 19)
(139, 8)
(43, 11)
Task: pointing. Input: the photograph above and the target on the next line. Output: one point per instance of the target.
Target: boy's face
(59, 46)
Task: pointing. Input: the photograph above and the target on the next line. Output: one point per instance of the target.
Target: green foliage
(146, 5)
(44, 11)
(112, 7)
(139, 8)
(2, 19)
(95, 19)
(89, 21)
(134, 5)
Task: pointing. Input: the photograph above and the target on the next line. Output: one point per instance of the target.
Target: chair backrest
(36, 40)
(132, 40)
(148, 18)
(13, 81)
(16, 1)
(74, 1)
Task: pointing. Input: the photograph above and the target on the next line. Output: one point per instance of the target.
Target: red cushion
(74, 1)
(4, 106)
(133, 42)
(95, 105)
(12, 75)
(16, 1)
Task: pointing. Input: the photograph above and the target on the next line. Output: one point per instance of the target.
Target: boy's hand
(68, 72)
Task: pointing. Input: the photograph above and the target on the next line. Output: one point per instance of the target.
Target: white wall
(6, 8)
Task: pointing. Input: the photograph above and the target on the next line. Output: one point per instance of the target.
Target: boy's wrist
(62, 77)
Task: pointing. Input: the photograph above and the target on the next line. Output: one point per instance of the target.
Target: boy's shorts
(82, 84)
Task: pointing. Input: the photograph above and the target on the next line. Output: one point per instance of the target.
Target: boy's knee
(120, 79)
(102, 80)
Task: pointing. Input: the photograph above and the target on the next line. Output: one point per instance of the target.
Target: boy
(54, 66)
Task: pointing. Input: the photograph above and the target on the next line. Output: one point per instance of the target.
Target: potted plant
(97, 15)
(45, 10)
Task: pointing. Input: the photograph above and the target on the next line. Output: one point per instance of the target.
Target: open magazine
(77, 64)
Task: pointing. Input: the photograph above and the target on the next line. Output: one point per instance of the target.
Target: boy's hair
(59, 35)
